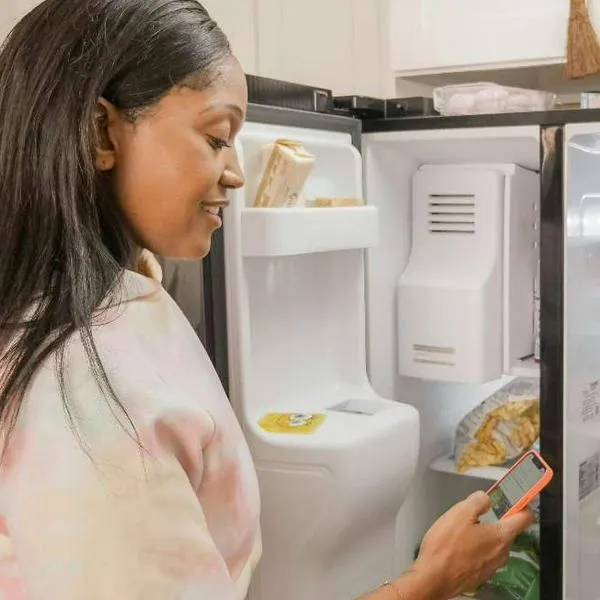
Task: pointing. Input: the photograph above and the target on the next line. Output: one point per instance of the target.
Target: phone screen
(516, 484)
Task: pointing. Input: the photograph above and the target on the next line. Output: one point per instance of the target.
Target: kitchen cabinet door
(237, 19)
(11, 11)
(432, 36)
(330, 43)
(338, 44)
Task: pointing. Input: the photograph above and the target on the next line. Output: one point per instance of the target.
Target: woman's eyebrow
(225, 106)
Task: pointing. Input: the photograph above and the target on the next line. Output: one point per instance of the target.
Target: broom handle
(578, 6)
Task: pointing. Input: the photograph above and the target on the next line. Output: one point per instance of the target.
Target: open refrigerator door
(582, 356)
(334, 459)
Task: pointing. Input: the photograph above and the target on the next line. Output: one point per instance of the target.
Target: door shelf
(445, 464)
(270, 232)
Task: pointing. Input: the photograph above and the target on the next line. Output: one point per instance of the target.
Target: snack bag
(501, 428)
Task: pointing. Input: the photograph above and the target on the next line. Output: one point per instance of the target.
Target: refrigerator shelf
(526, 368)
(445, 464)
(270, 232)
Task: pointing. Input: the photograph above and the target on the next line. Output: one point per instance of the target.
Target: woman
(124, 472)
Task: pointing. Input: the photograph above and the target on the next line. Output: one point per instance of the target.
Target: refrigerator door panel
(287, 117)
(582, 363)
(317, 430)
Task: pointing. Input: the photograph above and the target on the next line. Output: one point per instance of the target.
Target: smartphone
(523, 482)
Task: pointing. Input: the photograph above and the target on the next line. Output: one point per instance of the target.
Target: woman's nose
(233, 176)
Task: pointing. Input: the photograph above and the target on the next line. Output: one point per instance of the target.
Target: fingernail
(478, 494)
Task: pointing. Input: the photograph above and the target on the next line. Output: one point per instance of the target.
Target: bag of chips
(500, 429)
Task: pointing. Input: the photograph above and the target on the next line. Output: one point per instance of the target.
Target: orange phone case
(534, 491)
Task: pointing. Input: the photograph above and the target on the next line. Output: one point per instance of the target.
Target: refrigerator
(307, 310)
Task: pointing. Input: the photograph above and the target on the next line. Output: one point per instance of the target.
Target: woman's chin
(187, 252)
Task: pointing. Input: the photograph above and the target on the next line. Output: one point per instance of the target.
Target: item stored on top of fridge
(285, 94)
(590, 100)
(288, 167)
(409, 107)
(501, 428)
(361, 107)
(335, 202)
(489, 98)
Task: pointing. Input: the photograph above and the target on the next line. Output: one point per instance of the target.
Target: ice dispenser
(466, 297)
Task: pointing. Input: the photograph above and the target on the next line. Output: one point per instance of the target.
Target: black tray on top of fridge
(272, 92)
(361, 107)
(365, 107)
(417, 106)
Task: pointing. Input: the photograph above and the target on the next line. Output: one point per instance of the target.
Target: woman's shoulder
(141, 351)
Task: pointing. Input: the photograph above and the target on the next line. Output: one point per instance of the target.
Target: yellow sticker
(292, 423)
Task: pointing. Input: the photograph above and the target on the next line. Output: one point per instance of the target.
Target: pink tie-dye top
(87, 515)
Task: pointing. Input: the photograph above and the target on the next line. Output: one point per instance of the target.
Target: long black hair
(64, 241)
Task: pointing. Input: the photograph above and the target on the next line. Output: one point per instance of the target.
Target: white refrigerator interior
(582, 354)
(345, 507)
(391, 160)
(296, 327)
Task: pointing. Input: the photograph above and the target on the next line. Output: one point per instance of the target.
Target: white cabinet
(338, 44)
(237, 19)
(429, 36)
(11, 11)
(330, 43)
(6, 19)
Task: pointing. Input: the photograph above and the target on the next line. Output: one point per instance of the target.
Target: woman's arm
(458, 553)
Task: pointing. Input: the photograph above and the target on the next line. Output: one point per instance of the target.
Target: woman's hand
(459, 554)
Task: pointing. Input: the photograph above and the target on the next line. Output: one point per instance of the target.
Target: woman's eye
(218, 143)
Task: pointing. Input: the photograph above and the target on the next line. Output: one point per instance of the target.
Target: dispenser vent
(452, 213)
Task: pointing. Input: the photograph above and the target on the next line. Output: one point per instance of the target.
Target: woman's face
(173, 166)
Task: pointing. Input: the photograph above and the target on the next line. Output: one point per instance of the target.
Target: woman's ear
(107, 120)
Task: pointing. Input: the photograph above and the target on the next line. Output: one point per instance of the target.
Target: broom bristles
(583, 52)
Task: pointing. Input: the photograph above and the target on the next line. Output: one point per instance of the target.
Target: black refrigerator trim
(289, 117)
(548, 118)
(215, 292)
(552, 224)
(215, 308)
